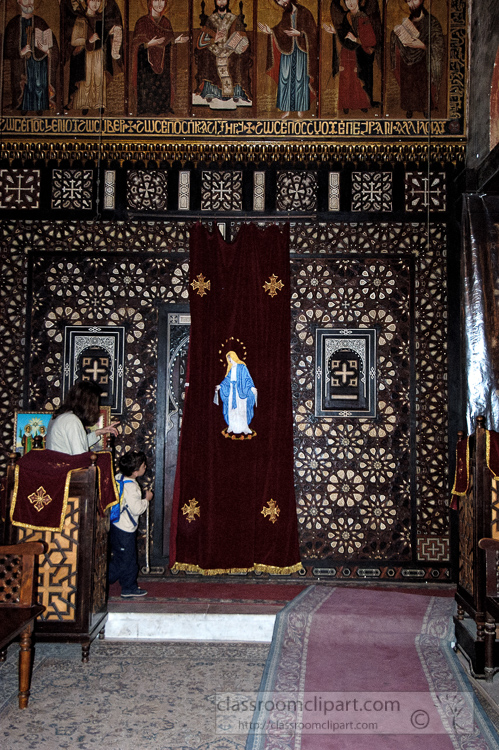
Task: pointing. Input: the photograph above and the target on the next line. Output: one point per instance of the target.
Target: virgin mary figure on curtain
(240, 336)
(238, 394)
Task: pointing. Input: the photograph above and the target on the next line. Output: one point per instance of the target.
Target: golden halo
(238, 344)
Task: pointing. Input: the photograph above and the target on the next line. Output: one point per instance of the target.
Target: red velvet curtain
(234, 502)
(41, 490)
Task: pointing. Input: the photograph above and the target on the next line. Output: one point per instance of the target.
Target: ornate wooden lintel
(340, 152)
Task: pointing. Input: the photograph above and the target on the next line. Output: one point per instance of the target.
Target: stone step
(239, 627)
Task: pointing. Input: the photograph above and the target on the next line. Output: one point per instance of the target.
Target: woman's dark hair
(83, 399)
(131, 461)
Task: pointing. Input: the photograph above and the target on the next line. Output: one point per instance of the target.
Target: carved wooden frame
(112, 338)
(361, 343)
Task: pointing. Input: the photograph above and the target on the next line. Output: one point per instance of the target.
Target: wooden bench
(18, 606)
(477, 521)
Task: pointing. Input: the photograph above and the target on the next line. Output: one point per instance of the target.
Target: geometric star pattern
(354, 489)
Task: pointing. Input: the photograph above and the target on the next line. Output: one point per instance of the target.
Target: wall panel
(369, 491)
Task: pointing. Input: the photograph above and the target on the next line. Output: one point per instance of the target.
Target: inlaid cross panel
(19, 188)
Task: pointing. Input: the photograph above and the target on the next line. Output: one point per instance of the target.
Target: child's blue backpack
(117, 509)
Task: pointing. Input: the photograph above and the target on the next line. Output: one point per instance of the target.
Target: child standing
(123, 566)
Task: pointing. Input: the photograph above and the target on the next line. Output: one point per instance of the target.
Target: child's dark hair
(131, 461)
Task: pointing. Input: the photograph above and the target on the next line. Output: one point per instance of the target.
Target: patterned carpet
(130, 696)
(353, 669)
(164, 696)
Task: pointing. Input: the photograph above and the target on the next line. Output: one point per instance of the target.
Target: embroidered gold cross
(192, 510)
(39, 499)
(272, 285)
(272, 511)
(201, 284)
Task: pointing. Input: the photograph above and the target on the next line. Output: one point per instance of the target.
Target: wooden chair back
(17, 573)
(18, 606)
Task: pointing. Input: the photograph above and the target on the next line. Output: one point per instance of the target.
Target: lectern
(72, 574)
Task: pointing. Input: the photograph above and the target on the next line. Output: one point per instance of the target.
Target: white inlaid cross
(73, 189)
(372, 192)
(296, 191)
(429, 193)
(19, 189)
(426, 191)
(148, 190)
(222, 191)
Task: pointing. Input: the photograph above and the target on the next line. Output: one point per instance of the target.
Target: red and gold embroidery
(201, 284)
(272, 285)
(192, 510)
(272, 511)
(39, 499)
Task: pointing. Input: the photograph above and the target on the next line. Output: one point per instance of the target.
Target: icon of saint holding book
(34, 57)
(223, 61)
(417, 53)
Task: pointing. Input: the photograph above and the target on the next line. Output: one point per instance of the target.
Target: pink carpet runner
(363, 669)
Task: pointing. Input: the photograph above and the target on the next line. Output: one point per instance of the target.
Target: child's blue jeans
(123, 566)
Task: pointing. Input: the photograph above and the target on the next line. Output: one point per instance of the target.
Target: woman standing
(67, 431)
